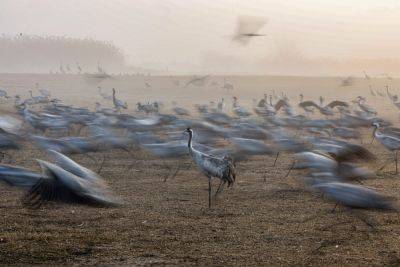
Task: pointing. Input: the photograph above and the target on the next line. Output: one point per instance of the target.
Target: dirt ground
(265, 219)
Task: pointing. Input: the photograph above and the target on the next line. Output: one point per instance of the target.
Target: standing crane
(221, 105)
(118, 104)
(210, 166)
(391, 142)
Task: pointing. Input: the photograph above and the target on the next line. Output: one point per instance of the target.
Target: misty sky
(194, 35)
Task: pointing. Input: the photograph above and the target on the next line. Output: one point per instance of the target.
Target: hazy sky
(191, 35)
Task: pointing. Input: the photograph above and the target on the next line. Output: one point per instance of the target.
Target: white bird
(210, 166)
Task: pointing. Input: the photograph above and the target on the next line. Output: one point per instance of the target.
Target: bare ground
(265, 219)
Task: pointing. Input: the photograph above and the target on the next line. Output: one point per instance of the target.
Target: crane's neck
(376, 132)
(190, 140)
(113, 96)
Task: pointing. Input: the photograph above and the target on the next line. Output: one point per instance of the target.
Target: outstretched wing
(305, 104)
(16, 176)
(250, 25)
(281, 103)
(337, 103)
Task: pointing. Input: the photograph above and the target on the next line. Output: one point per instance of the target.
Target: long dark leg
(79, 130)
(174, 174)
(334, 208)
(132, 155)
(168, 172)
(277, 155)
(102, 164)
(220, 188)
(362, 217)
(395, 158)
(91, 158)
(209, 193)
(290, 169)
(384, 165)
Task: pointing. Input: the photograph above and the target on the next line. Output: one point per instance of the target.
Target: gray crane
(118, 104)
(210, 166)
(391, 142)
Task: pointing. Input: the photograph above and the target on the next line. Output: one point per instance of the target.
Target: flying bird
(247, 28)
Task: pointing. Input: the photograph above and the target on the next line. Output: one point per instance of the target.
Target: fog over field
(305, 37)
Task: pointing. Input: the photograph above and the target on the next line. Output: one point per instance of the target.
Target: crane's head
(375, 124)
(188, 131)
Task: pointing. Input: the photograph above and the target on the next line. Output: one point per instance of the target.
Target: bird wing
(252, 146)
(344, 151)
(71, 166)
(196, 79)
(337, 103)
(61, 185)
(305, 104)
(171, 149)
(250, 24)
(391, 141)
(354, 195)
(281, 103)
(209, 165)
(314, 160)
(17, 176)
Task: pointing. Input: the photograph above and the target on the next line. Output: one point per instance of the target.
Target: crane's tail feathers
(230, 174)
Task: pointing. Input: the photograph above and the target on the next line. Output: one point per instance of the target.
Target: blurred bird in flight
(247, 28)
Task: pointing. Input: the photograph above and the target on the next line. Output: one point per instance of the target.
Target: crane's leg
(91, 158)
(178, 167)
(209, 192)
(373, 138)
(102, 164)
(334, 208)
(291, 168)
(277, 155)
(220, 188)
(384, 165)
(395, 158)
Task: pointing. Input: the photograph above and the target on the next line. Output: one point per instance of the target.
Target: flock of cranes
(324, 139)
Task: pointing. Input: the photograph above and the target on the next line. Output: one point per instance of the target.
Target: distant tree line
(32, 53)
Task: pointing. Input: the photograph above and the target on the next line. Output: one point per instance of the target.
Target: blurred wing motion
(354, 196)
(20, 177)
(69, 183)
(248, 27)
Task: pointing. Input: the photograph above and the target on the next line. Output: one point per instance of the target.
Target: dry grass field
(265, 219)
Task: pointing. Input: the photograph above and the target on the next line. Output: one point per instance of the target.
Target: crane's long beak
(373, 138)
